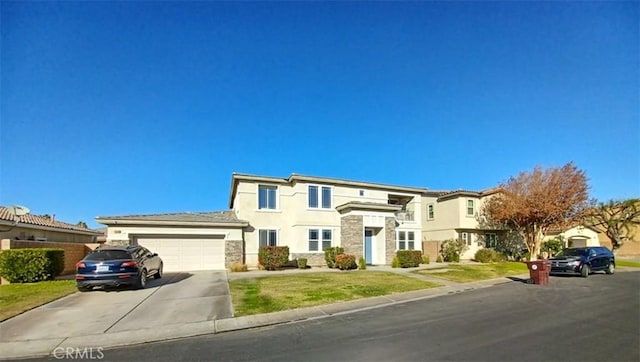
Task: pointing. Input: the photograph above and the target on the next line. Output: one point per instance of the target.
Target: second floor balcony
(404, 215)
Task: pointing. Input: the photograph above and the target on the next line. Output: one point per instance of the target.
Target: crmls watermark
(78, 353)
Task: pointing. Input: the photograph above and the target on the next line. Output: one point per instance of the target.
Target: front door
(368, 246)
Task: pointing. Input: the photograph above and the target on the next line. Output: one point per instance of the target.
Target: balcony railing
(404, 215)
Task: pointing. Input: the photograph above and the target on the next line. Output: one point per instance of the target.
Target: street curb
(47, 347)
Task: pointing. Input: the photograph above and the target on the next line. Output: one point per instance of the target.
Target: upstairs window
(430, 212)
(313, 197)
(267, 197)
(470, 208)
(319, 197)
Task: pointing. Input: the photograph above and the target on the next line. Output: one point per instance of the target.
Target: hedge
(409, 258)
(330, 255)
(31, 264)
(273, 257)
(346, 261)
(487, 256)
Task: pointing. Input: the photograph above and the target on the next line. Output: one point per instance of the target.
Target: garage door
(187, 253)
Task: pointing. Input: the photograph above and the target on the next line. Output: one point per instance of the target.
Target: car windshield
(108, 255)
(573, 252)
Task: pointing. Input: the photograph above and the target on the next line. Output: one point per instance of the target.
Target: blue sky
(112, 108)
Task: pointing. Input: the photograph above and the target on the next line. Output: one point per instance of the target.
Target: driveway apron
(175, 299)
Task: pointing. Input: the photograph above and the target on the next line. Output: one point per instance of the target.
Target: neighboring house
(39, 228)
(577, 236)
(454, 215)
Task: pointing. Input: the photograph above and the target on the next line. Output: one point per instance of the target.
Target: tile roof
(36, 220)
(210, 216)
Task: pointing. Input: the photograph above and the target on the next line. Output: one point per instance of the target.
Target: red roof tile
(40, 221)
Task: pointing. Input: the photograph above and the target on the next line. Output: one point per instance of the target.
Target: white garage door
(187, 253)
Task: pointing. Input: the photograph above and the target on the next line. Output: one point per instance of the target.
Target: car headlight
(574, 263)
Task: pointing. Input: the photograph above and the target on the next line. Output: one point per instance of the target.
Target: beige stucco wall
(630, 248)
(293, 219)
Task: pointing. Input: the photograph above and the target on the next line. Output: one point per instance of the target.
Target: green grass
(463, 273)
(278, 293)
(18, 298)
(627, 263)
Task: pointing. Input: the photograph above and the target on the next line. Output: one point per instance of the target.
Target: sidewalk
(46, 347)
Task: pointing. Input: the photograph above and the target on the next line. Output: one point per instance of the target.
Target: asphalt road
(572, 319)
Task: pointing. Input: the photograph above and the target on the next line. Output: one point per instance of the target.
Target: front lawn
(19, 298)
(627, 263)
(277, 293)
(474, 272)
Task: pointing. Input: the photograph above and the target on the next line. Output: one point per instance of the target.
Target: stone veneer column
(234, 252)
(390, 238)
(352, 235)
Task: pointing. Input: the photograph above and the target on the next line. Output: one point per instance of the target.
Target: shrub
(395, 263)
(439, 259)
(553, 246)
(500, 257)
(485, 256)
(273, 257)
(330, 255)
(31, 265)
(452, 248)
(409, 258)
(362, 263)
(239, 267)
(346, 261)
(425, 259)
(302, 263)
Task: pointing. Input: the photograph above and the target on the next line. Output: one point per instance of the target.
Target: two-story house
(309, 214)
(455, 215)
(305, 213)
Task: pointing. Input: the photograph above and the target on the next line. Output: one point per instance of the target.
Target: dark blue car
(114, 266)
(583, 261)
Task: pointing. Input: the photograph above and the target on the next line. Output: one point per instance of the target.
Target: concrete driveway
(177, 298)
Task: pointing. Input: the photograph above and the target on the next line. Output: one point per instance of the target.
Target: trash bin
(539, 271)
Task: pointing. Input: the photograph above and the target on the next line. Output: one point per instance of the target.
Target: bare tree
(616, 219)
(533, 202)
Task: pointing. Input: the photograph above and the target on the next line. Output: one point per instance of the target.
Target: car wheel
(142, 279)
(611, 268)
(83, 289)
(585, 271)
(158, 275)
